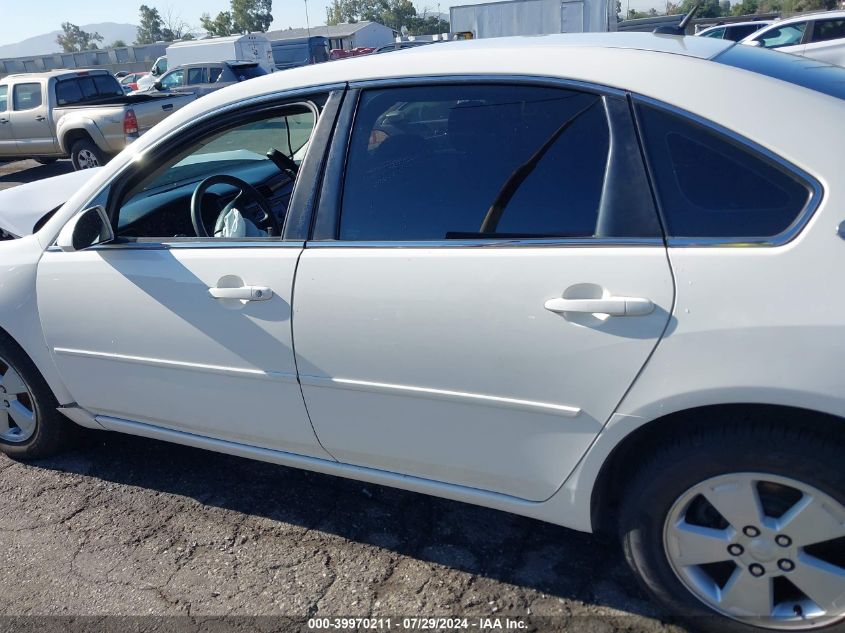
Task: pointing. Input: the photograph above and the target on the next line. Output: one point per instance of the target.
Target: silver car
(203, 78)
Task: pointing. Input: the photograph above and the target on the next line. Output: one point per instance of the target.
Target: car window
(107, 86)
(27, 96)
(736, 33)
(247, 71)
(825, 30)
(787, 35)
(214, 74)
(173, 79)
(711, 186)
(68, 92)
(159, 206)
(717, 33)
(481, 162)
(196, 76)
(4, 98)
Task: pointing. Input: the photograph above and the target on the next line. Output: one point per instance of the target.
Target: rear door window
(712, 186)
(27, 96)
(4, 98)
(715, 33)
(197, 76)
(68, 92)
(489, 162)
(736, 33)
(214, 73)
(826, 30)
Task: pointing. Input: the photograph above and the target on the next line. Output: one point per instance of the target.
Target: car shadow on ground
(32, 173)
(507, 548)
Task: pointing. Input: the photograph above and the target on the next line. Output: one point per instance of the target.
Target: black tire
(53, 432)
(46, 161)
(684, 461)
(84, 153)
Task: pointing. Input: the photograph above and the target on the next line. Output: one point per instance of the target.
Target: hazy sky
(25, 18)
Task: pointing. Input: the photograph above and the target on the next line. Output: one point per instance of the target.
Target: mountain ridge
(45, 43)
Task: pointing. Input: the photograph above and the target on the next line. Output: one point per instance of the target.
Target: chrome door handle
(612, 306)
(245, 293)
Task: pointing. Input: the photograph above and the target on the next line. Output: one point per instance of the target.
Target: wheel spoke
(23, 417)
(697, 545)
(5, 424)
(12, 381)
(746, 595)
(810, 521)
(822, 582)
(737, 501)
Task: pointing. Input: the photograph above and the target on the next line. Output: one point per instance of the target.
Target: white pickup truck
(82, 114)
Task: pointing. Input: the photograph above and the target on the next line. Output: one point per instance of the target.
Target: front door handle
(612, 306)
(244, 293)
(40, 118)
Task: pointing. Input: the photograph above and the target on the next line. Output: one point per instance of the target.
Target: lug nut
(756, 570)
(786, 565)
(783, 540)
(750, 531)
(735, 549)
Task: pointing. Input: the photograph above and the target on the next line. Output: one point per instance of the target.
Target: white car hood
(22, 206)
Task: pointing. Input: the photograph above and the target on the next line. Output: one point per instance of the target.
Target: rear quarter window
(712, 186)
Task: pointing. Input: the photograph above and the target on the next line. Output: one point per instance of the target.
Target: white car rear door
(485, 285)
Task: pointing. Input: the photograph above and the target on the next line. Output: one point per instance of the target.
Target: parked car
(300, 51)
(616, 308)
(131, 80)
(398, 46)
(817, 35)
(81, 114)
(735, 31)
(200, 79)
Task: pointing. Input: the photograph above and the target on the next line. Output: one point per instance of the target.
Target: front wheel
(30, 425)
(84, 154)
(742, 530)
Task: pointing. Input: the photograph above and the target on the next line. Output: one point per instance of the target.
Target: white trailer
(533, 17)
(253, 47)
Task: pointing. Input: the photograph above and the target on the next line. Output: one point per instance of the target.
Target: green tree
(244, 16)
(725, 7)
(117, 44)
(220, 25)
(746, 7)
(151, 27)
(74, 39)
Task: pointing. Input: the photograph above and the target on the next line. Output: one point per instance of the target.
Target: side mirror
(157, 85)
(89, 228)
(154, 71)
(756, 43)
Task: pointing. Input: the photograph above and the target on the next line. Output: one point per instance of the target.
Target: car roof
(803, 17)
(732, 24)
(61, 73)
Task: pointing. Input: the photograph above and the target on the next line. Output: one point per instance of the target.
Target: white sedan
(587, 279)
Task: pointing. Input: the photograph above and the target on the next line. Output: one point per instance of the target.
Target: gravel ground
(178, 538)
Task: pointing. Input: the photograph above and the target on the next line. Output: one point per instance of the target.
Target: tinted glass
(291, 54)
(788, 35)
(196, 76)
(107, 86)
(247, 72)
(824, 30)
(464, 162)
(214, 73)
(736, 33)
(89, 89)
(27, 96)
(4, 98)
(710, 186)
(68, 92)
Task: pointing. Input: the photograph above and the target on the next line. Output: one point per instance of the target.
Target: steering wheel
(265, 219)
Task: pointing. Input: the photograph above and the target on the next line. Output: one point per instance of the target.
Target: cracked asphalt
(129, 534)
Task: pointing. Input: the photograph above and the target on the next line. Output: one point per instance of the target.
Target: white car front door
(482, 290)
(190, 333)
(827, 41)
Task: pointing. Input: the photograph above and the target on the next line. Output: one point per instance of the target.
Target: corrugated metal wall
(530, 17)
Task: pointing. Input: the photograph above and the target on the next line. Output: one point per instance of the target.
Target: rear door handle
(167, 106)
(245, 293)
(40, 118)
(612, 306)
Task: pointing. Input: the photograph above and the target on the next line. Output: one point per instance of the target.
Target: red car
(131, 80)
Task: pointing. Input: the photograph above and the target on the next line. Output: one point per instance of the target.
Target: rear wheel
(743, 530)
(84, 154)
(30, 425)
